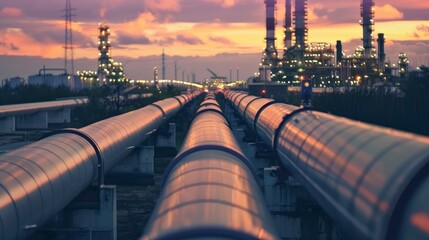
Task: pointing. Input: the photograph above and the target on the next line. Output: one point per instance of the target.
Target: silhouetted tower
(68, 43)
(163, 64)
(104, 58)
(339, 47)
(288, 25)
(367, 22)
(270, 49)
(301, 29)
(381, 53)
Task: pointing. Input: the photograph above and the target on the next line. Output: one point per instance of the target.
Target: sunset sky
(219, 34)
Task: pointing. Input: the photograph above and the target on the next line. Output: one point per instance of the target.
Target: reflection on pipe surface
(373, 181)
(210, 189)
(40, 179)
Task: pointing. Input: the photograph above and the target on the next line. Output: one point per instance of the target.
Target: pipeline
(210, 190)
(39, 180)
(372, 181)
(29, 108)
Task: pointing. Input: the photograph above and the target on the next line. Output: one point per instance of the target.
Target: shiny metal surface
(238, 98)
(254, 108)
(356, 171)
(372, 181)
(209, 191)
(40, 179)
(242, 105)
(209, 101)
(170, 106)
(29, 108)
(269, 119)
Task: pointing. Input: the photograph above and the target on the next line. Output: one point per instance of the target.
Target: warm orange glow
(421, 221)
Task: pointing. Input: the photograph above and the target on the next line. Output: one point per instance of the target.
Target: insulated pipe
(371, 180)
(40, 179)
(209, 191)
(29, 108)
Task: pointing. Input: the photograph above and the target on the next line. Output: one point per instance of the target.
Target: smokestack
(288, 25)
(270, 59)
(301, 26)
(271, 23)
(381, 53)
(367, 22)
(339, 52)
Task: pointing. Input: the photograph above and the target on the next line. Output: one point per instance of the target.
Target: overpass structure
(372, 181)
(36, 115)
(39, 180)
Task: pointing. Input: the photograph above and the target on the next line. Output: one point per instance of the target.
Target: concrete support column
(32, 121)
(167, 139)
(135, 169)
(146, 159)
(101, 221)
(59, 116)
(7, 125)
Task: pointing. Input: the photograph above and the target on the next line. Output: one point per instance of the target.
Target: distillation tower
(270, 55)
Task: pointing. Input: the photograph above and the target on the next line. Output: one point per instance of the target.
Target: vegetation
(32, 93)
(408, 112)
(104, 101)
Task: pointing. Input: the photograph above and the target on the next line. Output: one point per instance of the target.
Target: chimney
(381, 53)
(339, 52)
(367, 22)
(288, 25)
(301, 26)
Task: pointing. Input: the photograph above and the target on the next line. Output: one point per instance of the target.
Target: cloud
(387, 12)
(163, 5)
(421, 31)
(10, 46)
(125, 39)
(189, 40)
(10, 12)
(223, 3)
(221, 40)
(318, 13)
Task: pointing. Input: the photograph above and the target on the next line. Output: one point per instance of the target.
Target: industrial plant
(319, 61)
(109, 70)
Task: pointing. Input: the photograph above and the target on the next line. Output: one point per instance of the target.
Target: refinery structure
(319, 61)
(109, 71)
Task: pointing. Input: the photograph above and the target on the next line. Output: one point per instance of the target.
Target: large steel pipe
(209, 190)
(29, 108)
(40, 179)
(372, 181)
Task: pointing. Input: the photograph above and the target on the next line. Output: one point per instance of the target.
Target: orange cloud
(166, 5)
(387, 12)
(224, 3)
(312, 14)
(11, 12)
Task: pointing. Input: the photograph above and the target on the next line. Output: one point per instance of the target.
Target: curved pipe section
(40, 179)
(372, 181)
(209, 191)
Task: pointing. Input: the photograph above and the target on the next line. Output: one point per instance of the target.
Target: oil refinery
(319, 61)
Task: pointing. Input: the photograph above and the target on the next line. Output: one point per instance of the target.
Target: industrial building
(109, 71)
(319, 61)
